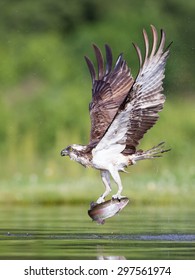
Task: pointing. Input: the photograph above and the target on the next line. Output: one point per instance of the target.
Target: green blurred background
(45, 89)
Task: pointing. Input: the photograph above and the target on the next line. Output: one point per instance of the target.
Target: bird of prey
(122, 110)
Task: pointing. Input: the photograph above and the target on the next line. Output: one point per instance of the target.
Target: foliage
(40, 34)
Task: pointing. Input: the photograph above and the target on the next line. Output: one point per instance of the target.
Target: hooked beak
(64, 153)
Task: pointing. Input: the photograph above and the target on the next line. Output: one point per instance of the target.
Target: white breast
(111, 156)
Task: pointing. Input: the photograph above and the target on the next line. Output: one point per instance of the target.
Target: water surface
(67, 232)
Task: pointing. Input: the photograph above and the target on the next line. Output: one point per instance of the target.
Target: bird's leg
(115, 175)
(106, 180)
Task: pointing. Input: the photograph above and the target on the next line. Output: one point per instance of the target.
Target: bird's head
(66, 151)
(72, 149)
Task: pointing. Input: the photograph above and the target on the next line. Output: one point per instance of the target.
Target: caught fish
(101, 212)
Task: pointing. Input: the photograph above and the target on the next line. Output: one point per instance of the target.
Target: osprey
(121, 111)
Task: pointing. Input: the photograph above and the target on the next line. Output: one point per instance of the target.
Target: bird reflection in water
(102, 256)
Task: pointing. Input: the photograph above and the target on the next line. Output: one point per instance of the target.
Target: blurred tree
(75, 20)
(47, 15)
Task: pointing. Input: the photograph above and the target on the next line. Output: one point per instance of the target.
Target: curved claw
(118, 196)
(100, 200)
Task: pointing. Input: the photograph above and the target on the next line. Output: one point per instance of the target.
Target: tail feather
(154, 152)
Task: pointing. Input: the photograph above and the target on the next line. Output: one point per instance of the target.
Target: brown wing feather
(146, 95)
(110, 88)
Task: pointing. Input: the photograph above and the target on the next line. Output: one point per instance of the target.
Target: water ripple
(140, 237)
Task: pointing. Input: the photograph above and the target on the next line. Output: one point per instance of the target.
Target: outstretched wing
(139, 111)
(110, 88)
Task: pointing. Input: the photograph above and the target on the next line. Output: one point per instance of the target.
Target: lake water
(67, 232)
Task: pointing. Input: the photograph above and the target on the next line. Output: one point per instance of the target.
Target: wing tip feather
(91, 68)
(108, 58)
(138, 53)
(100, 61)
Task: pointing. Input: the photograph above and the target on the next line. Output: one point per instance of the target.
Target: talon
(117, 196)
(100, 200)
